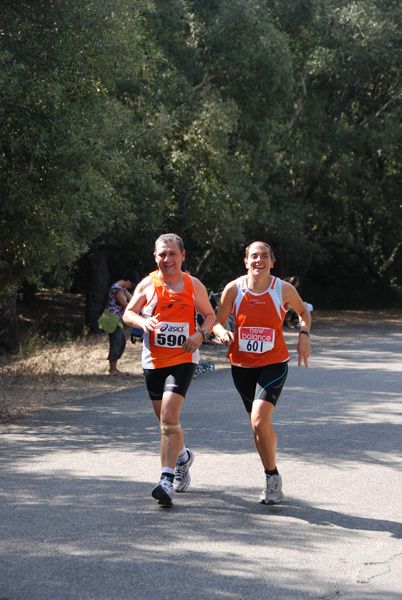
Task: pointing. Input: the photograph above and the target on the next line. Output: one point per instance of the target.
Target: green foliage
(343, 140)
(223, 120)
(48, 181)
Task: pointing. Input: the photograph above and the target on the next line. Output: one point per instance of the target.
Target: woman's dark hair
(132, 276)
(271, 252)
(294, 280)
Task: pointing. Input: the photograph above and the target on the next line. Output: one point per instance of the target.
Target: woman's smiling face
(259, 259)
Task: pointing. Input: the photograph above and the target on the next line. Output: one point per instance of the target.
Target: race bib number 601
(256, 339)
(171, 335)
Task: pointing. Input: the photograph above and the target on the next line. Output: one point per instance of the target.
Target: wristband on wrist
(305, 332)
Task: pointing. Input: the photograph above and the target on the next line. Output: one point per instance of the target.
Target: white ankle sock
(183, 455)
(167, 470)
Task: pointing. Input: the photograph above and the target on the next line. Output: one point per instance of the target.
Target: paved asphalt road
(77, 521)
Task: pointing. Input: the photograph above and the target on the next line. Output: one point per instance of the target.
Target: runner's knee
(170, 428)
(261, 424)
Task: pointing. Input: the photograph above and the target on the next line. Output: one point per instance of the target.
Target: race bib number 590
(256, 339)
(171, 335)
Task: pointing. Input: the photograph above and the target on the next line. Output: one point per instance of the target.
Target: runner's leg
(168, 413)
(265, 438)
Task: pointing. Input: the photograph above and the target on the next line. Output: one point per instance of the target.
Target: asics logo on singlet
(172, 328)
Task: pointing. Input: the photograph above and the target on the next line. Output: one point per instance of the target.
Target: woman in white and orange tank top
(257, 349)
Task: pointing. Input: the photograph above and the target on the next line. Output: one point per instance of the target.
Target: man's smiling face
(169, 258)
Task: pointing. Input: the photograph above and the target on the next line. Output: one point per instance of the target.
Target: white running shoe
(163, 492)
(182, 475)
(272, 494)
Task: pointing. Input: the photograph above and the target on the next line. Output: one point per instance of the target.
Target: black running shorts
(175, 379)
(260, 383)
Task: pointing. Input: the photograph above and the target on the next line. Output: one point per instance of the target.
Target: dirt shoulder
(57, 373)
(52, 373)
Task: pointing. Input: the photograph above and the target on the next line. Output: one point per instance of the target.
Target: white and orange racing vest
(258, 339)
(162, 347)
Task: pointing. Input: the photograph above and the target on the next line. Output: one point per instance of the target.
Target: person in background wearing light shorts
(169, 300)
(257, 351)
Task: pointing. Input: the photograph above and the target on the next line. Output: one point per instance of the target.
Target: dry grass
(45, 373)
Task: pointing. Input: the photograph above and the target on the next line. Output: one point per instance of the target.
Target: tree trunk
(9, 338)
(281, 267)
(97, 289)
(204, 263)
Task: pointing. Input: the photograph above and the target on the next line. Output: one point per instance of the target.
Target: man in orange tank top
(258, 352)
(165, 305)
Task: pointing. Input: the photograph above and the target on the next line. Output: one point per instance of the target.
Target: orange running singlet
(259, 318)
(162, 348)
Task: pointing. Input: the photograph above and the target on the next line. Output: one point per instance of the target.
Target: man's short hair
(170, 237)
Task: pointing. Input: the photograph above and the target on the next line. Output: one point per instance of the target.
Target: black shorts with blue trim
(260, 383)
